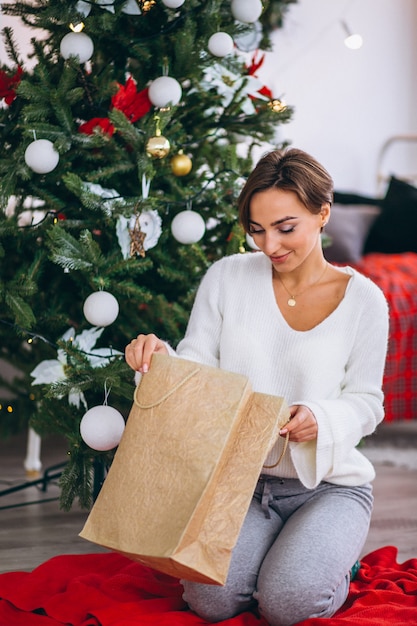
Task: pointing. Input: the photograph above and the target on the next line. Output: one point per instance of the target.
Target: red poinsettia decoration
(134, 104)
(8, 85)
(255, 64)
(253, 68)
(102, 122)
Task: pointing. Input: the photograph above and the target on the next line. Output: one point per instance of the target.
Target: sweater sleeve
(202, 338)
(355, 413)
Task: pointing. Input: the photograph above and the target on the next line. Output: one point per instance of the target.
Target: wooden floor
(34, 529)
(32, 526)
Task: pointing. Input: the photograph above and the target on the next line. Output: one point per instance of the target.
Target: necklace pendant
(291, 301)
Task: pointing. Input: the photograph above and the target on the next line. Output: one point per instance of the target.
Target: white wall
(22, 35)
(347, 102)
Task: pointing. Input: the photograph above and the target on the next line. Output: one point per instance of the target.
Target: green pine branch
(73, 254)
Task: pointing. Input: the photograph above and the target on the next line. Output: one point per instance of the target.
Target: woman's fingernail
(144, 368)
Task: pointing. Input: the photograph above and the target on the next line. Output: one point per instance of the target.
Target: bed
(378, 237)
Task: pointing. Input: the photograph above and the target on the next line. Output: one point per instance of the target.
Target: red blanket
(396, 275)
(110, 590)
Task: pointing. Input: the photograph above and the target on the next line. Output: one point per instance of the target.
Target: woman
(316, 335)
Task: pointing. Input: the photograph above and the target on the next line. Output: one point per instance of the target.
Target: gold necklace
(292, 299)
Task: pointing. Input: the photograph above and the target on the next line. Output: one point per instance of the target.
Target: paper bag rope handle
(281, 456)
(166, 395)
(178, 386)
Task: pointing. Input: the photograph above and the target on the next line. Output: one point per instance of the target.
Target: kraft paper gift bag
(184, 473)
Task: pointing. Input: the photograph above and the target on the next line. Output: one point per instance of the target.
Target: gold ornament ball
(181, 165)
(158, 147)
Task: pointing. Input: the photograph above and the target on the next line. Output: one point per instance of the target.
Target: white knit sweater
(335, 369)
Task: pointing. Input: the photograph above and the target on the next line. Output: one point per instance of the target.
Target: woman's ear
(325, 213)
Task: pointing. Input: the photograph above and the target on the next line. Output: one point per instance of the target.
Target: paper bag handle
(284, 449)
(166, 395)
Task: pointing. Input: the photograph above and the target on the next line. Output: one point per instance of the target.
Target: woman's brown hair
(290, 170)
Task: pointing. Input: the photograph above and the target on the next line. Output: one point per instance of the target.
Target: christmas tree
(123, 149)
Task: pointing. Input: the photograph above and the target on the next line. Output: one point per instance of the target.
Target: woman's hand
(139, 351)
(302, 425)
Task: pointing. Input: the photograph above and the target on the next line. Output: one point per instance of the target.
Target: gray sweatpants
(294, 553)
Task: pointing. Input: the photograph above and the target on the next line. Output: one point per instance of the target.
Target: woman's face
(284, 229)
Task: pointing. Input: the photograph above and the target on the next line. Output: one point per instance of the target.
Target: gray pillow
(348, 227)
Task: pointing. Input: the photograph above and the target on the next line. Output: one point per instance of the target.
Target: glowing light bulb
(77, 27)
(353, 41)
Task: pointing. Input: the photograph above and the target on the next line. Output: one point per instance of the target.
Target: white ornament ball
(173, 4)
(77, 45)
(220, 44)
(102, 427)
(165, 91)
(41, 156)
(250, 40)
(101, 308)
(188, 227)
(246, 11)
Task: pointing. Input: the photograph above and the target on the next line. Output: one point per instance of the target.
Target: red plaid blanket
(396, 275)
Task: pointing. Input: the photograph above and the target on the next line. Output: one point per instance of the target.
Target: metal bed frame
(405, 146)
